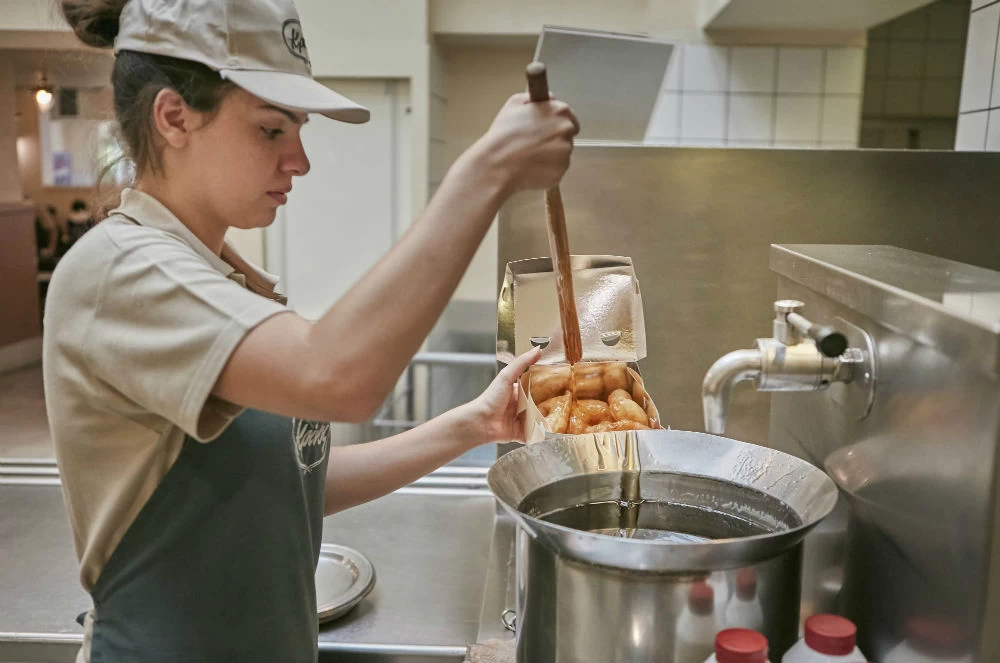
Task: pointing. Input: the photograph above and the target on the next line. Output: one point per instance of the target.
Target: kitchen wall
(10, 183)
(760, 96)
(478, 80)
(736, 96)
(913, 78)
(437, 161)
(979, 109)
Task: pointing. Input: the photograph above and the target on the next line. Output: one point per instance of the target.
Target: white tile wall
(703, 116)
(759, 96)
(979, 119)
(666, 120)
(797, 118)
(841, 119)
(844, 70)
(800, 70)
(702, 142)
(971, 135)
(672, 79)
(706, 68)
(993, 131)
(980, 58)
(751, 117)
(753, 69)
(995, 81)
(749, 143)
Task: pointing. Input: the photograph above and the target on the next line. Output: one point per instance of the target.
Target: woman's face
(241, 163)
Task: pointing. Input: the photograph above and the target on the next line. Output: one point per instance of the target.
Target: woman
(182, 394)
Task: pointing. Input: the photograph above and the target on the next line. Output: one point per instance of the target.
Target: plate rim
(359, 589)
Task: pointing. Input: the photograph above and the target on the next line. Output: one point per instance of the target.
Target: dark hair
(138, 77)
(78, 205)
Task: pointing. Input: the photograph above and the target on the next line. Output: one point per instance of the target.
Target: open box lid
(608, 303)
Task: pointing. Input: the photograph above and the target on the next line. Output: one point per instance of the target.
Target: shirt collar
(146, 210)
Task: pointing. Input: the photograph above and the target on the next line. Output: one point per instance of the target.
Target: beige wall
(478, 81)
(676, 19)
(377, 39)
(10, 182)
(20, 319)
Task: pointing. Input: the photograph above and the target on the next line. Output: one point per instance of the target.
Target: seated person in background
(46, 237)
(79, 221)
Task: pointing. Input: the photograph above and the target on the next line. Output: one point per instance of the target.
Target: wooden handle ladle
(555, 216)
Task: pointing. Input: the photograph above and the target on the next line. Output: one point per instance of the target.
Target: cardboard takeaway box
(612, 331)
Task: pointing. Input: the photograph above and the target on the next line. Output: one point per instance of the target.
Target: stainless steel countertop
(430, 549)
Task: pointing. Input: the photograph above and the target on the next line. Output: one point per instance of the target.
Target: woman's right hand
(529, 143)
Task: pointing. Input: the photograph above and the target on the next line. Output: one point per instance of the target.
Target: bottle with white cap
(696, 626)
(828, 639)
(744, 609)
(719, 582)
(739, 645)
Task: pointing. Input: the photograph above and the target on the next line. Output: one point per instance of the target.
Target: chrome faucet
(801, 356)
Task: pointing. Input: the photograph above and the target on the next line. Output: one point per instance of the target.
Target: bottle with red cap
(696, 626)
(828, 638)
(739, 645)
(932, 640)
(744, 609)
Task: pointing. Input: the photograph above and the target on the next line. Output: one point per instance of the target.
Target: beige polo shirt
(140, 319)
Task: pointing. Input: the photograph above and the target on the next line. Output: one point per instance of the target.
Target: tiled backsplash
(760, 96)
(979, 116)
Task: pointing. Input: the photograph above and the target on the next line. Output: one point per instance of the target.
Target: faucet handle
(829, 341)
(785, 306)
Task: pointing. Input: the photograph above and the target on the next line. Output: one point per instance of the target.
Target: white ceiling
(809, 14)
(62, 68)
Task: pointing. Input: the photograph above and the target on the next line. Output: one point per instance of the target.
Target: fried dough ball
(589, 380)
(547, 382)
(615, 377)
(623, 408)
(587, 412)
(556, 412)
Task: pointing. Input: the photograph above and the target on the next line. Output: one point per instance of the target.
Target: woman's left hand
(495, 410)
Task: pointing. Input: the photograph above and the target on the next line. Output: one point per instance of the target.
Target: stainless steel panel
(594, 71)
(698, 224)
(583, 596)
(918, 472)
(430, 548)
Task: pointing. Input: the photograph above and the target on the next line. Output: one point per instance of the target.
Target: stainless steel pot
(711, 511)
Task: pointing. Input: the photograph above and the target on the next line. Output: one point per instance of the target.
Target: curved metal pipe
(720, 379)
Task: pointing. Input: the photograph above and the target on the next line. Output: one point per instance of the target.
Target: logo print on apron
(312, 443)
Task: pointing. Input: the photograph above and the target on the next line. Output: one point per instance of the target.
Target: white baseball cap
(256, 44)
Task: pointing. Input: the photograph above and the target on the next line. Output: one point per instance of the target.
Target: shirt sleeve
(164, 326)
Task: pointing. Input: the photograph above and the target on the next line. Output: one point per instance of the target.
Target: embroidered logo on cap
(291, 30)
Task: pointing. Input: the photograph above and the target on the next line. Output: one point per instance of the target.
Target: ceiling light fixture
(43, 95)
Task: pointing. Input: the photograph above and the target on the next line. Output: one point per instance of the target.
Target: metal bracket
(857, 396)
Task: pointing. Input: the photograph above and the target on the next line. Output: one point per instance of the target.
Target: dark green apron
(220, 563)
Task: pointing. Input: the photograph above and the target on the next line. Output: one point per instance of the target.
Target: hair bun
(95, 22)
